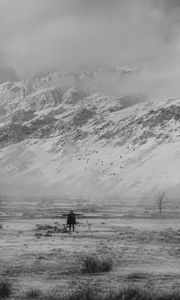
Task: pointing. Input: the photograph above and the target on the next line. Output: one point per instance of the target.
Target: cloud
(54, 32)
(40, 35)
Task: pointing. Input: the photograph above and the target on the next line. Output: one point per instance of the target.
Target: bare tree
(160, 201)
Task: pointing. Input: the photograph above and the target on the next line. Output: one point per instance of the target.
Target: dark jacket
(71, 218)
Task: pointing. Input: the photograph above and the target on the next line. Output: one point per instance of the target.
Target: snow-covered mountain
(60, 139)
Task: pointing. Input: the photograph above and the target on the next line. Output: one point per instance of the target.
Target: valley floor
(145, 252)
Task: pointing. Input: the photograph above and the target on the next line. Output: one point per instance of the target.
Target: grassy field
(143, 251)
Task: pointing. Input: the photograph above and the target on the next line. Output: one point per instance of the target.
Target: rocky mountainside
(64, 140)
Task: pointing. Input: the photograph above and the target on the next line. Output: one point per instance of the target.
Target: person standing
(71, 220)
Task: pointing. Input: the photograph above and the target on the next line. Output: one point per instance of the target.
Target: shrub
(5, 289)
(94, 264)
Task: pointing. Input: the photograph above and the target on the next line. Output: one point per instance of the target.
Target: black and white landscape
(90, 122)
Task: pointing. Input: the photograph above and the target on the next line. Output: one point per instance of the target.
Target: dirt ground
(145, 251)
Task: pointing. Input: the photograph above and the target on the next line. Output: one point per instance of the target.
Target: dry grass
(130, 293)
(136, 293)
(95, 264)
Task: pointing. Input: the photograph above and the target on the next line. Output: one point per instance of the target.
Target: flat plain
(143, 246)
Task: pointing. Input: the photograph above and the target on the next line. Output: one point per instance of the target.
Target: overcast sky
(39, 35)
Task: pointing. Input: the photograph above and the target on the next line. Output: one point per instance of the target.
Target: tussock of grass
(33, 294)
(5, 289)
(95, 264)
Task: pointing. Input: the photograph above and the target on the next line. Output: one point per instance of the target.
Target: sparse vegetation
(116, 254)
(95, 264)
(5, 289)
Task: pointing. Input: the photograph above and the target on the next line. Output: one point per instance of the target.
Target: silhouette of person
(71, 220)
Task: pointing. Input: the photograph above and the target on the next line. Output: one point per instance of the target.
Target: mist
(73, 35)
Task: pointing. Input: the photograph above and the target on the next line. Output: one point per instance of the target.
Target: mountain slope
(67, 141)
